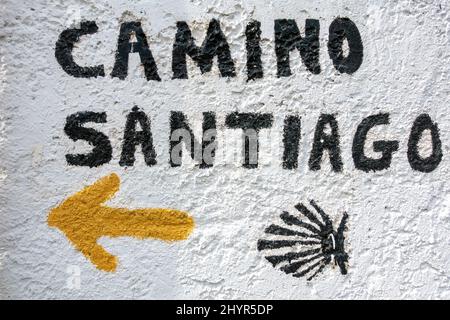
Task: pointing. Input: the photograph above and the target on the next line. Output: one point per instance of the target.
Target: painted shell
(311, 240)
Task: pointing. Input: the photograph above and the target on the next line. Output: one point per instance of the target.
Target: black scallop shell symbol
(314, 243)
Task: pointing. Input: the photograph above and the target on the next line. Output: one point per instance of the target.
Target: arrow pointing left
(84, 219)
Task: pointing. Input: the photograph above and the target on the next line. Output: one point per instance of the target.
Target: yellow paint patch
(83, 219)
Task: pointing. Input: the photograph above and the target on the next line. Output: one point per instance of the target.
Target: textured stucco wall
(398, 234)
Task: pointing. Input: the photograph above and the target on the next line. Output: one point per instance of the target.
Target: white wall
(399, 219)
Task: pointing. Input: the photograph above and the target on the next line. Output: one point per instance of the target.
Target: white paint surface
(399, 225)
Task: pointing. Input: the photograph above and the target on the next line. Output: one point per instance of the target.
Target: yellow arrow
(83, 219)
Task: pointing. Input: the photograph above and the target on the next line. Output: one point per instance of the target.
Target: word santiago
(326, 139)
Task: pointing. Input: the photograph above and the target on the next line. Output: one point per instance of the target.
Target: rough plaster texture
(399, 219)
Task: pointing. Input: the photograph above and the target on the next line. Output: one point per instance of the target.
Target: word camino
(345, 49)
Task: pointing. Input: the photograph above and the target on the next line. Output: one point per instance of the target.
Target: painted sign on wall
(215, 149)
